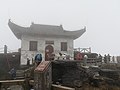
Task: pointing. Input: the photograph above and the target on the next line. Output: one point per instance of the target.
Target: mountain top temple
(44, 39)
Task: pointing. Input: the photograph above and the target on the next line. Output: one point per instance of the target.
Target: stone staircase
(20, 74)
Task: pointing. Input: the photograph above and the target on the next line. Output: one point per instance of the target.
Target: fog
(101, 18)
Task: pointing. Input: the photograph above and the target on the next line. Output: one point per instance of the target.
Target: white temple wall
(25, 53)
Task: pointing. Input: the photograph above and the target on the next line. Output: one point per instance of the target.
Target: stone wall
(8, 61)
(25, 53)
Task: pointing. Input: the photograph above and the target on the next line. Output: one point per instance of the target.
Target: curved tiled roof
(44, 30)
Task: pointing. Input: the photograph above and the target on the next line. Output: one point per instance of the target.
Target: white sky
(101, 17)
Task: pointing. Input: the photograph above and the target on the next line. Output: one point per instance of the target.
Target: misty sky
(101, 18)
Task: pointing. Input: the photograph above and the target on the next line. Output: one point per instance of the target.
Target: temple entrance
(48, 52)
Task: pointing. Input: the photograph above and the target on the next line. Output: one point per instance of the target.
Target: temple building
(44, 39)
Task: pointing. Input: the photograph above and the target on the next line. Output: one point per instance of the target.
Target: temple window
(63, 46)
(33, 45)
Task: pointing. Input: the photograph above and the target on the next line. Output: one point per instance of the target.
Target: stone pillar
(43, 76)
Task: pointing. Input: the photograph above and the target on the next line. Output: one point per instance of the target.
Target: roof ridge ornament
(9, 21)
(60, 25)
(32, 23)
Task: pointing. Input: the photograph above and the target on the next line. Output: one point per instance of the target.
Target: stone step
(20, 74)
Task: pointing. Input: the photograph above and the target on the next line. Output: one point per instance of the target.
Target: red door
(48, 52)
